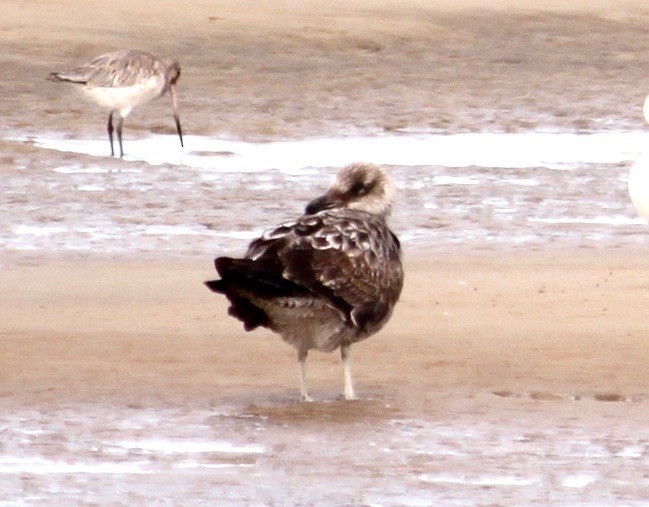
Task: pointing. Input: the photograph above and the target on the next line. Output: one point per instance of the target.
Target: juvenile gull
(121, 81)
(327, 280)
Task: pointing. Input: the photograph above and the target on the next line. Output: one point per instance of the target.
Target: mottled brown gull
(327, 280)
(123, 80)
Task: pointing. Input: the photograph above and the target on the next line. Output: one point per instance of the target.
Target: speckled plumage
(123, 80)
(327, 280)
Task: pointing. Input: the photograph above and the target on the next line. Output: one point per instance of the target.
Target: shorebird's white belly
(126, 97)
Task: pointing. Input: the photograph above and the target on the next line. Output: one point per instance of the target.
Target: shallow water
(279, 455)
(469, 191)
(532, 149)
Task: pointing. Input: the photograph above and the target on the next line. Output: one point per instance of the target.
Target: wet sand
(510, 379)
(503, 378)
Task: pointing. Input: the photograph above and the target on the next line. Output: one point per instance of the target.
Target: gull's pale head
(359, 186)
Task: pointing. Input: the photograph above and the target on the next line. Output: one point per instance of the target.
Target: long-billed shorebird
(123, 80)
(327, 280)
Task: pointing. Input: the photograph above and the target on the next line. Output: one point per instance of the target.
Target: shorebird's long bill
(174, 104)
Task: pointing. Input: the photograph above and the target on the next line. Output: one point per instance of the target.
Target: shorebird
(121, 81)
(326, 280)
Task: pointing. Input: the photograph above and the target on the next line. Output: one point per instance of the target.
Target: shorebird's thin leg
(118, 127)
(304, 391)
(180, 131)
(174, 105)
(110, 133)
(345, 354)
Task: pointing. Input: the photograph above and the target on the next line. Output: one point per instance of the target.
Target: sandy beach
(513, 376)
(567, 328)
